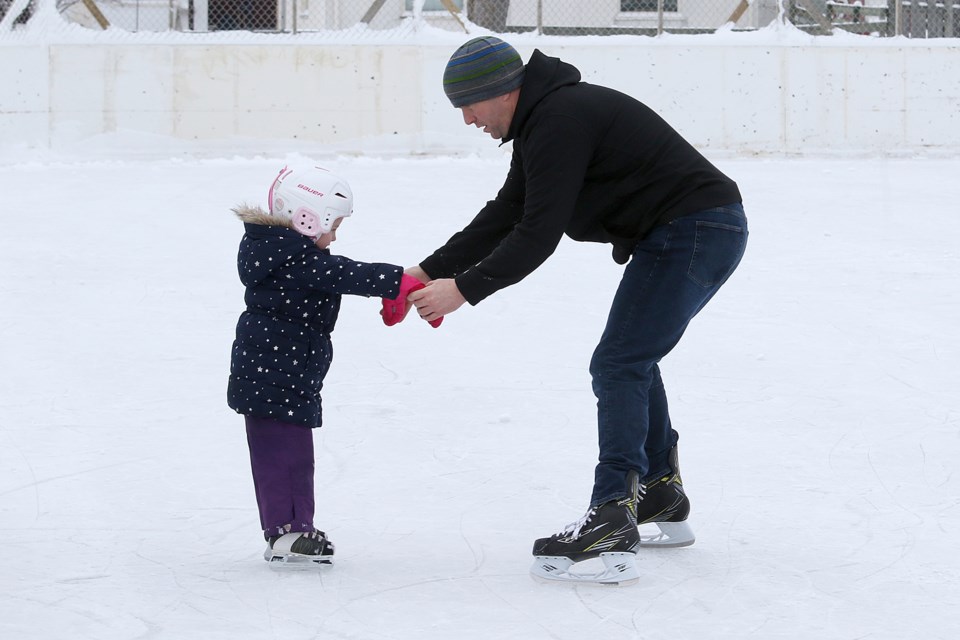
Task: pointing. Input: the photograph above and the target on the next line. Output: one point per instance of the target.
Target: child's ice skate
(303, 548)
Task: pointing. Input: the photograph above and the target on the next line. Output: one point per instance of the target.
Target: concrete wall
(841, 97)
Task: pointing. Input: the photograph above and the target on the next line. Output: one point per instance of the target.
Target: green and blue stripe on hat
(482, 68)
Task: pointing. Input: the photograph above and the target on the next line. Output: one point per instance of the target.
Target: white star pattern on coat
(293, 301)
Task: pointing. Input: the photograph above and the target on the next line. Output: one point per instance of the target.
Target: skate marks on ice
(354, 602)
(401, 599)
(833, 420)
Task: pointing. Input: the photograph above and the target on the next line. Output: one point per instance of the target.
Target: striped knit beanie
(481, 69)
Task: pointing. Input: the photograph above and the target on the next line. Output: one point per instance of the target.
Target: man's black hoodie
(589, 162)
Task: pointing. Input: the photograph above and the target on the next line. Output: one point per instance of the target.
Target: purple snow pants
(281, 458)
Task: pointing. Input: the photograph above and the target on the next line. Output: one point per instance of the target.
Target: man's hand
(437, 299)
(417, 273)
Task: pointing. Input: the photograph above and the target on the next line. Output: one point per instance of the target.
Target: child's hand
(395, 309)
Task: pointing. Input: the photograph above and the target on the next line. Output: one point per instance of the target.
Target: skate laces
(573, 529)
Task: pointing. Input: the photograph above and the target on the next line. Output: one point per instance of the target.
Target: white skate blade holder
(281, 555)
(295, 560)
(614, 569)
(666, 535)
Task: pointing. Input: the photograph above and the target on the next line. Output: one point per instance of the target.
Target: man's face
(493, 115)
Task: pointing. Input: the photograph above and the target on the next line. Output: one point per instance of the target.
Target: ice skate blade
(619, 569)
(666, 535)
(281, 561)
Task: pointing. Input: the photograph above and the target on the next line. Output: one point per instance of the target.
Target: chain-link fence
(913, 18)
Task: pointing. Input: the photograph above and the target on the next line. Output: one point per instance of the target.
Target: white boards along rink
(735, 92)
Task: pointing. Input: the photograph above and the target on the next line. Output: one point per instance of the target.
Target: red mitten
(395, 310)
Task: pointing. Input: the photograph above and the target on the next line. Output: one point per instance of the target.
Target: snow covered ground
(816, 397)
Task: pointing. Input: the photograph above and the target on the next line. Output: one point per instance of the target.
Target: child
(283, 350)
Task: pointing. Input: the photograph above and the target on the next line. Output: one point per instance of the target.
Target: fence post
(659, 17)
(738, 12)
(201, 16)
(91, 7)
(539, 17)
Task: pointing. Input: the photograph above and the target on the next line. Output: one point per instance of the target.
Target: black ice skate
(608, 532)
(661, 501)
(299, 548)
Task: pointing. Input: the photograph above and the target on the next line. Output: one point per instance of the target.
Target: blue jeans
(673, 272)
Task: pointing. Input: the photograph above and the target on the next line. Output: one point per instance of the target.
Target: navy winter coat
(283, 350)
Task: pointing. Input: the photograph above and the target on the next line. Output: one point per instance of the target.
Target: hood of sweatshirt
(543, 75)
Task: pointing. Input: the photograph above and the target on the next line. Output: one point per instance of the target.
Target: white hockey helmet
(311, 197)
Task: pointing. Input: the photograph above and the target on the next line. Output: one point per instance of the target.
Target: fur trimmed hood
(252, 214)
(266, 236)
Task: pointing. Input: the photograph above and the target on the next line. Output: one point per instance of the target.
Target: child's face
(324, 241)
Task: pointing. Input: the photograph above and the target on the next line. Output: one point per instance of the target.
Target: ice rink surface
(816, 398)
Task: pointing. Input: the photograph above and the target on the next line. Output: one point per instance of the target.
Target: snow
(816, 398)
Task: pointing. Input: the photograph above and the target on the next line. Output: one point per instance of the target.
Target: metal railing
(879, 18)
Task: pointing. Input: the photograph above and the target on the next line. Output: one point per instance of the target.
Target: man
(598, 166)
